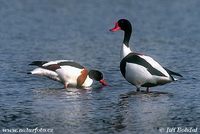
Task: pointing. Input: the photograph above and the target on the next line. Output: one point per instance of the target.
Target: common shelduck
(138, 69)
(68, 72)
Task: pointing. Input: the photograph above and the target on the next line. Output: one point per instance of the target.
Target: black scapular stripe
(71, 63)
(38, 63)
(134, 58)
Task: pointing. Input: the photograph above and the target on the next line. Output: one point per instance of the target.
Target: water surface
(169, 31)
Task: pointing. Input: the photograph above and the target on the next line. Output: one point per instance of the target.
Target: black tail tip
(29, 73)
(33, 63)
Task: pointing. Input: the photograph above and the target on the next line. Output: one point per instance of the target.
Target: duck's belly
(140, 76)
(137, 74)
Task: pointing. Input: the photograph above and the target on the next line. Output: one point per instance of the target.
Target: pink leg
(65, 85)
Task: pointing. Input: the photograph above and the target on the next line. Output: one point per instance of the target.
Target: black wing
(70, 63)
(56, 65)
(38, 63)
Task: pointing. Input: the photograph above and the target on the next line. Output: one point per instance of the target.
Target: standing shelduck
(138, 69)
(67, 72)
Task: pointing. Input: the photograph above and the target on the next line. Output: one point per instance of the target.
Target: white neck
(125, 51)
(88, 82)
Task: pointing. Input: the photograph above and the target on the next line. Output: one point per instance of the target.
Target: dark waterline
(169, 31)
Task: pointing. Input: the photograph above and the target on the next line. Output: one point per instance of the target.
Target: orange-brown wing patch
(52, 67)
(82, 77)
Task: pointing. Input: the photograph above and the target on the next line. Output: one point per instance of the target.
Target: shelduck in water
(138, 69)
(70, 73)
